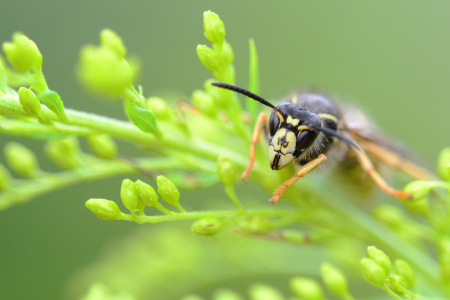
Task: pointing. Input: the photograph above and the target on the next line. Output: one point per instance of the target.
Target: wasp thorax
(291, 133)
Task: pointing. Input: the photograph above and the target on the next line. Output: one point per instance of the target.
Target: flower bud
(142, 118)
(167, 190)
(227, 52)
(160, 108)
(21, 160)
(214, 28)
(103, 72)
(29, 101)
(443, 164)
(419, 189)
(104, 209)
(380, 258)
(306, 288)
(22, 53)
(404, 270)
(334, 280)
(53, 102)
(111, 40)
(207, 226)
(129, 195)
(64, 152)
(373, 272)
(255, 224)
(5, 178)
(226, 294)
(102, 145)
(389, 215)
(208, 58)
(262, 291)
(204, 102)
(146, 193)
(226, 171)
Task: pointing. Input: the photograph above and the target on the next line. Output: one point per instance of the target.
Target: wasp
(309, 128)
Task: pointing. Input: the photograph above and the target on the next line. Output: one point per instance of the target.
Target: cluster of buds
(25, 57)
(135, 196)
(105, 71)
(377, 270)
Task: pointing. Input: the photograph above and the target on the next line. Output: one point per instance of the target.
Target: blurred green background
(391, 58)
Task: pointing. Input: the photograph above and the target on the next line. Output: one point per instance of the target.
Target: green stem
(231, 193)
(27, 190)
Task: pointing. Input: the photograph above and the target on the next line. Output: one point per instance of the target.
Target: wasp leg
(368, 167)
(260, 123)
(396, 161)
(305, 169)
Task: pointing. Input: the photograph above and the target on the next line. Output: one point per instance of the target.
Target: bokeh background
(391, 58)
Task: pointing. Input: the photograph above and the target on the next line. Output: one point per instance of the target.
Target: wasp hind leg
(261, 124)
(369, 169)
(305, 169)
(396, 161)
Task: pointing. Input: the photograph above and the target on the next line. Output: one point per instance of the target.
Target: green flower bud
(226, 171)
(160, 108)
(334, 280)
(419, 189)
(373, 272)
(65, 153)
(380, 258)
(167, 190)
(214, 28)
(104, 209)
(264, 292)
(22, 53)
(255, 224)
(142, 118)
(443, 164)
(390, 216)
(111, 40)
(227, 53)
(207, 226)
(146, 193)
(204, 102)
(5, 178)
(208, 58)
(418, 206)
(306, 288)
(103, 72)
(396, 283)
(21, 160)
(129, 195)
(404, 270)
(52, 100)
(29, 101)
(102, 145)
(225, 294)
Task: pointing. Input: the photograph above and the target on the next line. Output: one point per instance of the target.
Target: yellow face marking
(328, 116)
(302, 127)
(293, 122)
(284, 141)
(279, 116)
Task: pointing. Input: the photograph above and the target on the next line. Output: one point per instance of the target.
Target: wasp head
(291, 131)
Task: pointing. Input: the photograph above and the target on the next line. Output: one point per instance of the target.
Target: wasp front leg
(260, 123)
(305, 169)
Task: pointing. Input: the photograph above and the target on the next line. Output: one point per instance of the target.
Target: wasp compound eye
(305, 139)
(274, 123)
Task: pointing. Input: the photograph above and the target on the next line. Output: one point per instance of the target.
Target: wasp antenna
(335, 134)
(243, 92)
